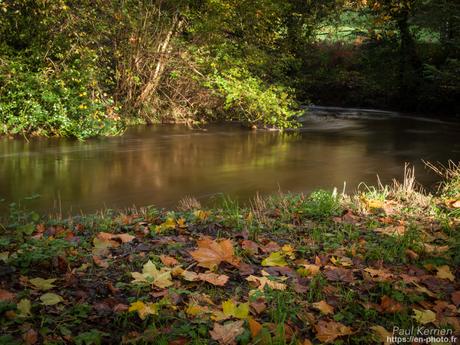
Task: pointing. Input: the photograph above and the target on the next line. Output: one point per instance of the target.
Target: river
(159, 165)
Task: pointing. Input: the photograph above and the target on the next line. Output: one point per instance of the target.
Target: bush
(254, 103)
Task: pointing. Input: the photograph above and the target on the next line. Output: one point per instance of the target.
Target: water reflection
(159, 165)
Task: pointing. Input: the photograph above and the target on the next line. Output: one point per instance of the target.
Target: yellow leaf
(150, 274)
(444, 272)
(201, 215)
(382, 333)
(275, 259)
(143, 310)
(231, 309)
(424, 316)
(324, 307)
(24, 307)
(309, 270)
(288, 250)
(51, 298)
(42, 284)
(170, 223)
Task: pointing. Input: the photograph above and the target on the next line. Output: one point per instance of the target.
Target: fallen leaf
(100, 262)
(309, 270)
(125, 238)
(424, 316)
(6, 295)
(382, 333)
(24, 307)
(144, 309)
(150, 274)
(444, 272)
(30, 337)
(250, 246)
(265, 281)
(456, 298)
(323, 307)
(213, 278)
(329, 331)
(288, 250)
(378, 275)
(389, 305)
(227, 333)
(170, 223)
(43, 284)
(211, 253)
(50, 298)
(338, 274)
(275, 259)
(232, 309)
(254, 327)
(168, 260)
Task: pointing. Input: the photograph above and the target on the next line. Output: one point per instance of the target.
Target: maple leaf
(170, 223)
(51, 298)
(239, 311)
(382, 333)
(226, 334)
(213, 278)
(144, 309)
(329, 331)
(378, 275)
(105, 236)
(288, 250)
(43, 284)
(389, 305)
(275, 259)
(24, 307)
(211, 253)
(444, 272)
(324, 307)
(150, 274)
(265, 281)
(309, 270)
(337, 274)
(168, 260)
(424, 316)
(30, 337)
(456, 298)
(254, 327)
(250, 246)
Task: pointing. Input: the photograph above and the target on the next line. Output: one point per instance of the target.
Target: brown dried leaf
(211, 253)
(226, 334)
(329, 331)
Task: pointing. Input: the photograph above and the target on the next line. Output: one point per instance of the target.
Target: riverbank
(290, 269)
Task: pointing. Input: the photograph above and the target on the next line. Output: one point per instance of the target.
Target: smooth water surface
(159, 165)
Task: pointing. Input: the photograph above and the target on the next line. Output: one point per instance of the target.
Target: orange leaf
(329, 331)
(6, 295)
(254, 327)
(213, 278)
(168, 260)
(211, 253)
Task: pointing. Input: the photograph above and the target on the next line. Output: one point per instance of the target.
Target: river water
(159, 165)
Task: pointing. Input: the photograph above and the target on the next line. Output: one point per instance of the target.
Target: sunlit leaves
(144, 309)
(211, 253)
(232, 309)
(424, 316)
(328, 331)
(275, 259)
(24, 308)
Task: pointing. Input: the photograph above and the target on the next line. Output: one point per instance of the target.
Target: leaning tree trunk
(163, 51)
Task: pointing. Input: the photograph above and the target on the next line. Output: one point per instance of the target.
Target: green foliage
(50, 103)
(253, 102)
(322, 204)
